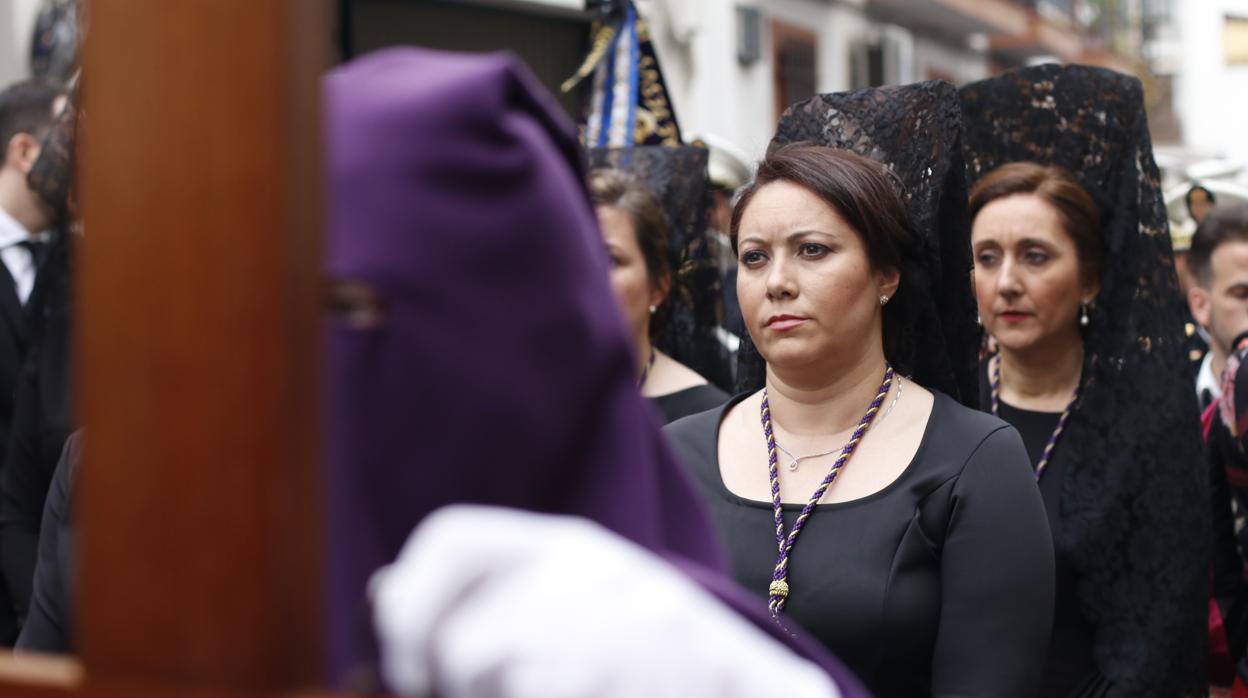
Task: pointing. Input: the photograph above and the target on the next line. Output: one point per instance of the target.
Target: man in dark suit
(27, 112)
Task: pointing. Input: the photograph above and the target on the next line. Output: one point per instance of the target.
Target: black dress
(683, 403)
(1070, 669)
(941, 584)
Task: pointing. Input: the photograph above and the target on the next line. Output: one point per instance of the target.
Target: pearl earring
(1083, 315)
(654, 309)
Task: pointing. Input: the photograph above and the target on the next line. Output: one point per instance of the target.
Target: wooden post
(198, 325)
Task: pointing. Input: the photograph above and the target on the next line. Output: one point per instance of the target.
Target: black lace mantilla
(1135, 500)
(693, 309)
(915, 131)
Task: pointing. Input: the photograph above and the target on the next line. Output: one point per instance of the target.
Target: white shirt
(19, 260)
(1208, 387)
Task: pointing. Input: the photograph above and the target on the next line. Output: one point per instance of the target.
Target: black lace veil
(915, 131)
(1134, 502)
(693, 309)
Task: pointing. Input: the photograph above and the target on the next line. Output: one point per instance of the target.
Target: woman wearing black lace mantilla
(857, 497)
(636, 237)
(652, 204)
(1076, 284)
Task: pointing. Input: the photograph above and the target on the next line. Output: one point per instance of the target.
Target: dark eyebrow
(795, 236)
(1035, 241)
(802, 234)
(1025, 242)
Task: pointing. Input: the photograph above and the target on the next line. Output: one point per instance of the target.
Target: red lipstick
(1014, 316)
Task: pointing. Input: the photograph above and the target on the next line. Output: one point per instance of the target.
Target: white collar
(11, 231)
(1205, 380)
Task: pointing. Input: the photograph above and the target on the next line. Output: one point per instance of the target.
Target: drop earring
(654, 309)
(1083, 315)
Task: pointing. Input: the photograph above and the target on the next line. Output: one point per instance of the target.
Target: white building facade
(720, 88)
(17, 23)
(1211, 95)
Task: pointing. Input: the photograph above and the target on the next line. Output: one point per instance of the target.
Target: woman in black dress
(636, 235)
(1075, 284)
(898, 526)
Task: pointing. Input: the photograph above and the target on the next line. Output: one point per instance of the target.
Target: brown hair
(862, 191)
(1058, 188)
(867, 195)
(623, 191)
(1224, 223)
(26, 107)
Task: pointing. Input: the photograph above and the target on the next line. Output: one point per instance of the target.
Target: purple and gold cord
(994, 380)
(778, 591)
(645, 370)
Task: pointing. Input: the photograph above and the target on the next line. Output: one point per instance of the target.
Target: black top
(683, 403)
(49, 624)
(941, 584)
(1070, 669)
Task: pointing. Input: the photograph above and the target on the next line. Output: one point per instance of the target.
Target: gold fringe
(603, 34)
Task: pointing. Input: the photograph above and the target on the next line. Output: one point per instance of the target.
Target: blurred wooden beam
(198, 322)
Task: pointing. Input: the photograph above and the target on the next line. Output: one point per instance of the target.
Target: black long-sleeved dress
(1070, 669)
(683, 403)
(941, 584)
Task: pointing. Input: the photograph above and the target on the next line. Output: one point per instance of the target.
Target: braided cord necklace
(794, 461)
(778, 591)
(645, 370)
(994, 380)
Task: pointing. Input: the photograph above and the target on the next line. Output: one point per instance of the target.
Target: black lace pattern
(1135, 500)
(52, 175)
(915, 131)
(693, 308)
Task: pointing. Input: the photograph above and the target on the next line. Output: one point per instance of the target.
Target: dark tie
(38, 251)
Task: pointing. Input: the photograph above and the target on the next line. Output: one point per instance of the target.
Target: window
(794, 60)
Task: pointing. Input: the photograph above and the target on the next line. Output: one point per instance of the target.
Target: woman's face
(634, 290)
(808, 293)
(1027, 274)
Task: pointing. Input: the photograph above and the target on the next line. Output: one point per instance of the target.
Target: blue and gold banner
(627, 102)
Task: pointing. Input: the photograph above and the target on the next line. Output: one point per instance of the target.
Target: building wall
(17, 20)
(937, 59)
(713, 93)
(1211, 94)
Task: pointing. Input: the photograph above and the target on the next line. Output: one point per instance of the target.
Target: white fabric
(18, 259)
(1207, 384)
(489, 602)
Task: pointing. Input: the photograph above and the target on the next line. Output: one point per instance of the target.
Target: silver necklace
(795, 460)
